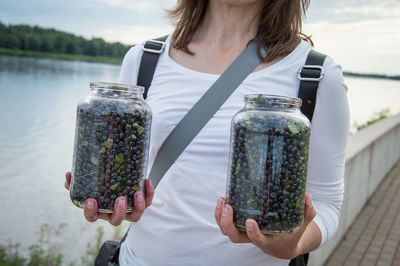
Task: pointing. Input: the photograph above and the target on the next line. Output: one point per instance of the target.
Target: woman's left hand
(280, 246)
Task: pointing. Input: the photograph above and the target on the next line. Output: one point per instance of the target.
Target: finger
(119, 213)
(218, 213)
(309, 210)
(254, 233)
(149, 192)
(67, 180)
(90, 210)
(229, 228)
(138, 208)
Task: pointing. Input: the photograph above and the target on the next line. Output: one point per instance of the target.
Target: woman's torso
(179, 227)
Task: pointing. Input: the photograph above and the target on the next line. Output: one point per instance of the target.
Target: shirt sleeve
(130, 65)
(328, 145)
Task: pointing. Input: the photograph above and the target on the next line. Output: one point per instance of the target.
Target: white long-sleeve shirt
(179, 227)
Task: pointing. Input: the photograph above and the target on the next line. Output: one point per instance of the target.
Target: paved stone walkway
(374, 236)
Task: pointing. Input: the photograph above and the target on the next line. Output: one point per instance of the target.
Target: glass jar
(268, 164)
(111, 145)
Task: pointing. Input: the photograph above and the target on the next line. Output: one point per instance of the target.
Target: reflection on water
(38, 98)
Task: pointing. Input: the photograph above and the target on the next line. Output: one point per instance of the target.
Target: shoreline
(72, 57)
(372, 76)
(118, 61)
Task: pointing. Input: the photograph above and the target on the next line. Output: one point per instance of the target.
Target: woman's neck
(226, 25)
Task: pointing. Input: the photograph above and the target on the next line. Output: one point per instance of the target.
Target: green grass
(43, 252)
(101, 59)
(375, 118)
(46, 252)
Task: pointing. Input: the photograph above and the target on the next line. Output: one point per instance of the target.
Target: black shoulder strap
(310, 74)
(151, 51)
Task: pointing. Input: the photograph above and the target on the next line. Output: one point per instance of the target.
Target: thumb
(254, 233)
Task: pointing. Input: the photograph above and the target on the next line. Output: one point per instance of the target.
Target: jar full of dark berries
(111, 145)
(268, 164)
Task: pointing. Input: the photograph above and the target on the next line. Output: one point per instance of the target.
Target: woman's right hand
(141, 202)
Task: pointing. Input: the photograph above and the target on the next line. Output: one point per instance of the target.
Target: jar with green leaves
(111, 145)
(268, 163)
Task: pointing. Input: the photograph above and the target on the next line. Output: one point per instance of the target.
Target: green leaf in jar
(133, 137)
(140, 130)
(251, 158)
(114, 187)
(260, 116)
(250, 202)
(108, 110)
(135, 125)
(237, 169)
(108, 143)
(102, 150)
(259, 97)
(294, 128)
(84, 143)
(135, 188)
(141, 183)
(299, 204)
(119, 159)
(94, 160)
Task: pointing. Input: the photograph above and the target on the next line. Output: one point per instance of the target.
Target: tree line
(376, 76)
(34, 38)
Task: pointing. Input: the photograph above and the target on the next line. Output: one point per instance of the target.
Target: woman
(183, 226)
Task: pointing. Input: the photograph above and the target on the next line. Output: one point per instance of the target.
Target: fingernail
(250, 226)
(225, 211)
(150, 183)
(139, 196)
(90, 204)
(121, 203)
(219, 203)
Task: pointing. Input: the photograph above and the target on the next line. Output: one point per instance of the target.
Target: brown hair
(279, 30)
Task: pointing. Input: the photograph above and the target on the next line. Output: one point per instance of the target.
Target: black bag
(108, 254)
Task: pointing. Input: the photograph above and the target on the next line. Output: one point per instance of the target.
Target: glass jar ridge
(116, 90)
(273, 102)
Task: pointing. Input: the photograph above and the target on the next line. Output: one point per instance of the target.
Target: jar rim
(112, 86)
(271, 98)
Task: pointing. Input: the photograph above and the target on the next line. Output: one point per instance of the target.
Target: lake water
(38, 99)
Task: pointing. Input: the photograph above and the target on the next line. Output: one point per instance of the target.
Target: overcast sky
(361, 35)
